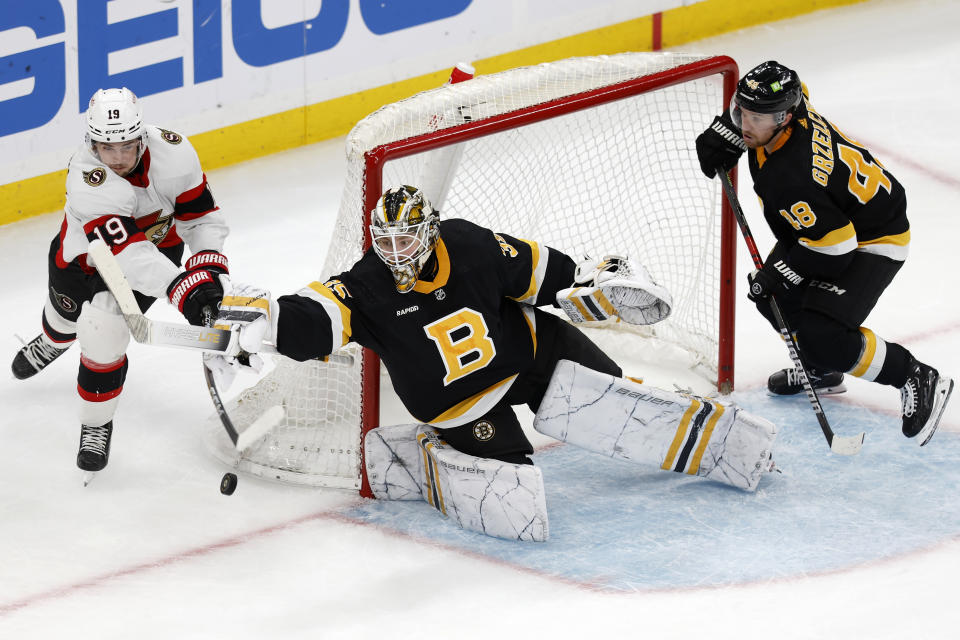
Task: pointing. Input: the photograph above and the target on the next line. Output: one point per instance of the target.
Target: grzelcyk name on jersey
(403, 312)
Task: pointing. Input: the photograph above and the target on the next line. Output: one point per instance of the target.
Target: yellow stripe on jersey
(537, 271)
(895, 247)
(464, 406)
(338, 312)
(835, 243)
(443, 271)
(705, 438)
(681, 434)
(531, 319)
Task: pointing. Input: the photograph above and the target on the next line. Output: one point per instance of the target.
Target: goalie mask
(114, 116)
(404, 230)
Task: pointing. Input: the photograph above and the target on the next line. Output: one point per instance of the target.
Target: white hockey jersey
(164, 201)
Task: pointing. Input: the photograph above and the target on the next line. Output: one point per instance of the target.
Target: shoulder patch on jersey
(95, 177)
(505, 246)
(170, 136)
(338, 288)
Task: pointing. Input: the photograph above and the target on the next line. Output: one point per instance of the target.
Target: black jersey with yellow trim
(462, 331)
(825, 196)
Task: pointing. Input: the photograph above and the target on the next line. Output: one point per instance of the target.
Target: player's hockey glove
(197, 291)
(720, 146)
(775, 278)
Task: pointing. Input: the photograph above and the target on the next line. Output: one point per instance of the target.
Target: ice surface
(832, 547)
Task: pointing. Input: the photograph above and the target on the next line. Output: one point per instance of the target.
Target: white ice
(151, 549)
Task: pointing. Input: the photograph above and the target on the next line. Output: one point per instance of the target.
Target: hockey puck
(228, 483)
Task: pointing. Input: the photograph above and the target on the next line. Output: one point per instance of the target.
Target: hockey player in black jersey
(839, 218)
(452, 310)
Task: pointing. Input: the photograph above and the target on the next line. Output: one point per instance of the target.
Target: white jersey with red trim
(163, 202)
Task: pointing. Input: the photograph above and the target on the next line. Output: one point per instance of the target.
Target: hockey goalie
(453, 311)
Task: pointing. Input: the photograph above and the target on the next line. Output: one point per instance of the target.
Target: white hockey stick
(157, 332)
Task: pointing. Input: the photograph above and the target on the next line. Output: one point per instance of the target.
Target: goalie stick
(843, 445)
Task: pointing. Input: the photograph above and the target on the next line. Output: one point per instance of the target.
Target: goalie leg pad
(625, 420)
(499, 499)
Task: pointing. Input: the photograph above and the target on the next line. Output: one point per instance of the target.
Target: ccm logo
(828, 287)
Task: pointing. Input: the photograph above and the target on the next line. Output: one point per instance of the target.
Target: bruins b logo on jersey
(171, 137)
(95, 177)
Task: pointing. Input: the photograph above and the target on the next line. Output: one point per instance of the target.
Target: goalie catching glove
(251, 314)
(614, 286)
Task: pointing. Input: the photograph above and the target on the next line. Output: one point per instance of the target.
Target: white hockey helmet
(404, 229)
(114, 115)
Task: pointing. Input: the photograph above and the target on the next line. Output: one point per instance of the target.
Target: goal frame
(375, 159)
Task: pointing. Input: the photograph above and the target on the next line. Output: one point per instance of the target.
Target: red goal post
(588, 155)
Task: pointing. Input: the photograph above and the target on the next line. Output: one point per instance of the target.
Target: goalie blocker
(601, 413)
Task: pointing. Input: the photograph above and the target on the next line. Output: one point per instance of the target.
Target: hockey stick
(158, 332)
(843, 445)
(171, 334)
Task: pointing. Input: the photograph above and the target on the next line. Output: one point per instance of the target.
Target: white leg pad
(499, 499)
(630, 421)
(101, 330)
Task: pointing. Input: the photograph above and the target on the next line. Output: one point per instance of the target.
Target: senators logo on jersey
(95, 177)
(170, 136)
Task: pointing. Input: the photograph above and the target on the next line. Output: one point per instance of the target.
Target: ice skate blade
(821, 391)
(88, 476)
(941, 396)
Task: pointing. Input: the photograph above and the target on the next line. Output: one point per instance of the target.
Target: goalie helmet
(404, 230)
(114, 115)
(767, 88)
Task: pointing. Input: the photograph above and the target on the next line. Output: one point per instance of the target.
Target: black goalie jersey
(453, 345)
(825, 196)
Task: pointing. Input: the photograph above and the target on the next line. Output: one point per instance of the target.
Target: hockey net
(587, 155)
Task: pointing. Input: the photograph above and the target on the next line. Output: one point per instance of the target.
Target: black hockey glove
(776, 278)
(720, 146)
(197, 292)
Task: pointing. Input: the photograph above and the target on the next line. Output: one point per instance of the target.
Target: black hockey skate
(34, 357)
(786, 382)
(94, 447)
(924, 398)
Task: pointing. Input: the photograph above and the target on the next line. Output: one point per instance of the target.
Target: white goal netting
(587, 155)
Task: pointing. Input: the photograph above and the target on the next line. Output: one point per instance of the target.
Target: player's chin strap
(615, 286)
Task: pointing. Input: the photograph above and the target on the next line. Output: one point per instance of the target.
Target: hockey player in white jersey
(142, 191)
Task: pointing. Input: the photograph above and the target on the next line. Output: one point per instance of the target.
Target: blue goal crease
(620, 527)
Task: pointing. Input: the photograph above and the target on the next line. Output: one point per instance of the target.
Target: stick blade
(260, 427)
(847, 445)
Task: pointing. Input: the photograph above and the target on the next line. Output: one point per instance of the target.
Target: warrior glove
(197, 291)
(720, 146)
(775, 278)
